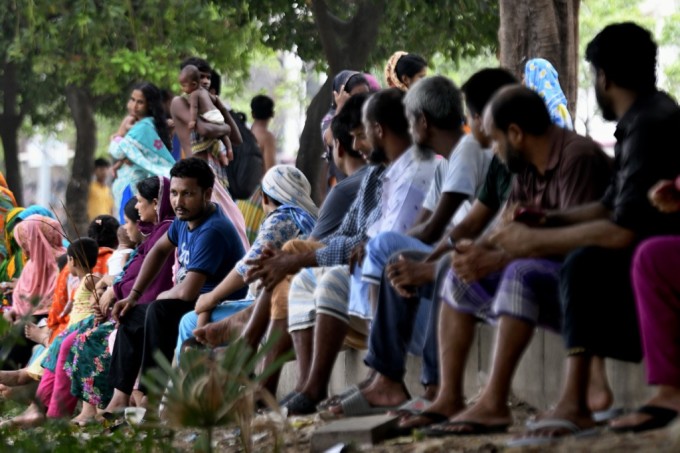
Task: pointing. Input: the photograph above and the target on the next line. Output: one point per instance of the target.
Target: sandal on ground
(604, 417)
(475, 428)
(660, 418)
(300, 404)
(335, 400)
(413, 406)
(573, 430)
(430, 418)
(357, 405)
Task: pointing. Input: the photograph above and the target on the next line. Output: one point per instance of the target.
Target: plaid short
(526, 289)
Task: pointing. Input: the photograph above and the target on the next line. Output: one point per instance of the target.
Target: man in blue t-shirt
(208, 247)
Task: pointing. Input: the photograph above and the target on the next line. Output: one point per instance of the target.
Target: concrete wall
(537, 381)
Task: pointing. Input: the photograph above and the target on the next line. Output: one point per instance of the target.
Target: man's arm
(274, 265)
(470, 227)
(433, 228)
(520, 240)
(188, 290)
(578, 214)
(179, 109)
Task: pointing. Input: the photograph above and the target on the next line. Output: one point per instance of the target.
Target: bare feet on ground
(31, 417)
(382, 392)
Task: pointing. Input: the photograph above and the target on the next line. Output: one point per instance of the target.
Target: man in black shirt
(595, 290)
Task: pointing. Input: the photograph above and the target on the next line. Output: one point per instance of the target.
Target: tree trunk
(347, 45)
(10, 121)
(546, 29)
(80, 104)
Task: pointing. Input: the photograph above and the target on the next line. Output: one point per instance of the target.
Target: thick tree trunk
(10, 121)
(546, 29)
(80, 104)
(347, 45)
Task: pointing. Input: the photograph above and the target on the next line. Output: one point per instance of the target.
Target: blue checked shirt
(352, 231)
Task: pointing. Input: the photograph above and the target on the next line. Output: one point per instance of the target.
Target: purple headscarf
(152, 233)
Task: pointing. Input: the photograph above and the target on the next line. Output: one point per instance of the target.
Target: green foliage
(456, 28)
(106, 46)
(59, 436)
(207, 391)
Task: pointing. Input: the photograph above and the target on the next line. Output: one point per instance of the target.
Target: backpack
(245, 172)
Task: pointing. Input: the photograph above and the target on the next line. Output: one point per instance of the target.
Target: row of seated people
(544, 227)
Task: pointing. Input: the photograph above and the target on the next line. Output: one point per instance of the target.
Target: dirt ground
(297, 437)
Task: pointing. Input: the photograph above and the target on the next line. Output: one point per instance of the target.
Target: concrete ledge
(537, 381)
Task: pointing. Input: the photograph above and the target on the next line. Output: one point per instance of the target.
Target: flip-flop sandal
(414, 406)
(357, 405)
(476, 428)
(287, 398)
(433, 418)
(300, 404)
(558, 423)
(660, 418)
(337, 399)
(603, 417)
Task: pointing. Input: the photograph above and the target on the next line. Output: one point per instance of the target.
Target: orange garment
(61, 297)
(55, 322)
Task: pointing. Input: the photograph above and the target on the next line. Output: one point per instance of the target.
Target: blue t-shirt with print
(212, 248)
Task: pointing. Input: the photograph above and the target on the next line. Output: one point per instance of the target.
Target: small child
(119, 257)
(201, 103)
(82, 257)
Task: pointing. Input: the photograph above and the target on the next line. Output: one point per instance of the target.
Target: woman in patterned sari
(143, 148)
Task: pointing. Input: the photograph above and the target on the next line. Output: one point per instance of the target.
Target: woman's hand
(205, 303)
(340, 98)
(125, 126)
(105, 301)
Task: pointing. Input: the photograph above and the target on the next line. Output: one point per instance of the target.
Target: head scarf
(339, 81)
(152, 232)
(164, 211)
(41, 237)
(35, 209)
(373, 84)
(7, 203)
(289, 186)
(541, 76)
(13, 263)
(391, 71)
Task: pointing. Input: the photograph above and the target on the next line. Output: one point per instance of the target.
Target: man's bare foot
(483, 413)
(382, 392)
(582, 420)
(31, 417)
(23, 394)
(15, 377)
(213, 334)
(427, 417)
(37, 334)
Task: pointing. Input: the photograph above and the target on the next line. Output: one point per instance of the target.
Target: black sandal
(660, 418)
